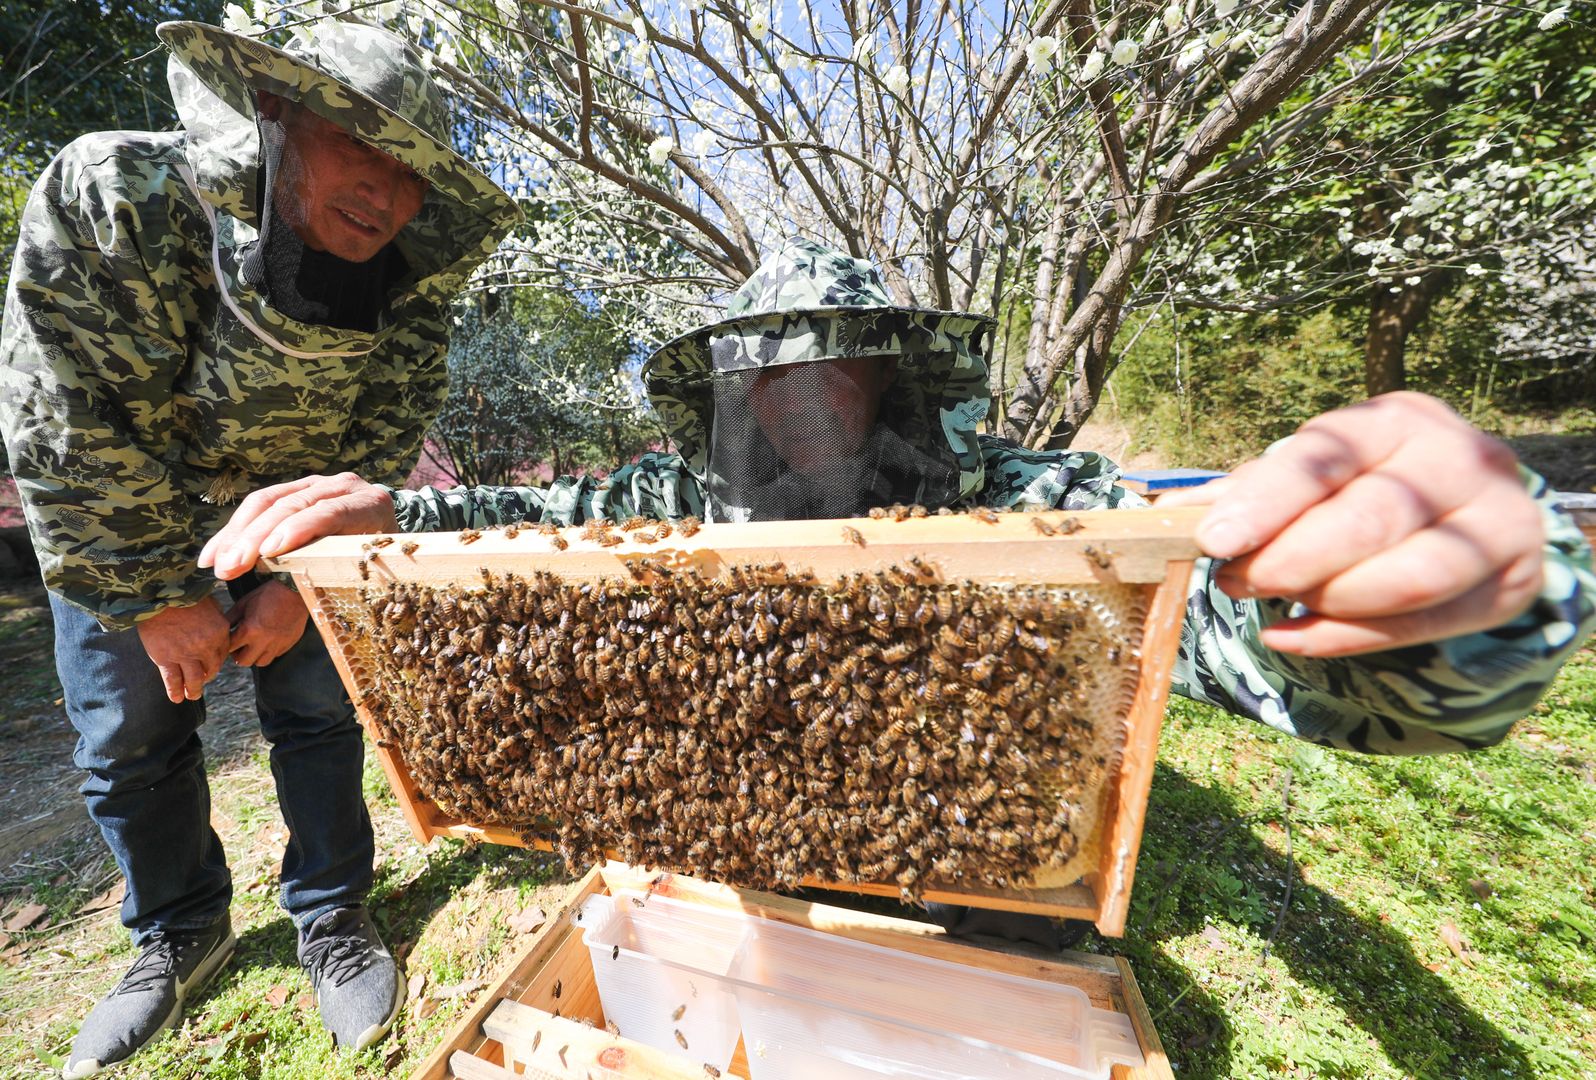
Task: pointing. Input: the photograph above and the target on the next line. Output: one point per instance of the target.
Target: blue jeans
(146, 786)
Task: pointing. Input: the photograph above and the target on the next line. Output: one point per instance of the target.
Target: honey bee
(615, 953)
(511, 531)
(898, 653)
(917, 511)
(1043, 527)
(381, 541)
(1070, 525)
(688, 525)
(878, 512)
(470, 536)
(985, 514)
(1099, 558)
(547, 528)
(612, 1027)
(712, 1071)
(676, 1013)
(364, 568)
(559, 542)
(633, 523)
(900, 512)
(409, 547)
(853, 536)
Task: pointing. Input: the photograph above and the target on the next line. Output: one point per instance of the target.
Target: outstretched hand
(287, 516)
(1394, 522)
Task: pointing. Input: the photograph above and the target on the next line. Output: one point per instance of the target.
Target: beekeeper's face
(339, 195)
(820, 413)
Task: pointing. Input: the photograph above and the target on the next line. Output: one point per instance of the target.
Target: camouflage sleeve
(404, 387)
(1459, 694)
(1040, 479)
(655, 486)
(93, 339)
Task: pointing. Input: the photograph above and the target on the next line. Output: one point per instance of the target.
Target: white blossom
(1040, 51)
(897, 80)
(1174, 16)
(659, 151)
(1553, 18)
(505, 8)
(640, 27)
(236, 19)
(1218, 38)
(1092, 66)
(1223, 8)
(1125, 52)
(703, 143)
(1474, 270)
(759, 24)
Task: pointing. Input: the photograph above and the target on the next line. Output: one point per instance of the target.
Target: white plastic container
(816, 1006)
(660, 967)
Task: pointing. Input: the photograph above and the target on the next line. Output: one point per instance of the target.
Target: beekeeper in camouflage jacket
(194, 314)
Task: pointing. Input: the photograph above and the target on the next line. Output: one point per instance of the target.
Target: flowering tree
(1469, 167)
(1023, 159)
(536, 379)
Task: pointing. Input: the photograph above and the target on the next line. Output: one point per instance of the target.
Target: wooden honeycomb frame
(1151, 550)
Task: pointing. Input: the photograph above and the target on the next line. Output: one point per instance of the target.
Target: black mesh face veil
(824, 439)
(314, 287)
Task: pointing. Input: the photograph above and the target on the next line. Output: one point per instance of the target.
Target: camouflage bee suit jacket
(1459, 694)
(136, 398)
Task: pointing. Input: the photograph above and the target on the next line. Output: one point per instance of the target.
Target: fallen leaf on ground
(1454, 941)
(414, 986)
(252, 1039)
(109, 898)
(427, 1007)
(1481, 887)
(459, 989)
(304, 1002)
(25, 917)
(1213, 938)
(277, 995)
(527, 920)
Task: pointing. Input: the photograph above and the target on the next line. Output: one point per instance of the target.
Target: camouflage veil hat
(808, 302)
(365, 79)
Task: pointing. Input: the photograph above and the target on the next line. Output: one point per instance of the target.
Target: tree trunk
(1392, 317)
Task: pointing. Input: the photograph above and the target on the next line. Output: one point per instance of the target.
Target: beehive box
(547, 1007)
(958, 708)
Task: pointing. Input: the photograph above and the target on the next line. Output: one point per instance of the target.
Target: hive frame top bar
(1119, 546)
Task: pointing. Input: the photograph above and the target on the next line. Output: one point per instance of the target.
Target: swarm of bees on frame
(757, 728)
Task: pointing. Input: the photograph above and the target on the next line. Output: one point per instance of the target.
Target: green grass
(1352, 979)
(1357, 980)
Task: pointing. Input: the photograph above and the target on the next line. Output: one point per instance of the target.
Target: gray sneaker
(172, 965)
(356, 980)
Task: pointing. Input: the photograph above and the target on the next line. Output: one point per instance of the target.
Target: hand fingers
(194, 676)
(1491, 604)
(1265, 495)
(172, 680)
(328, 517)
(1201, 495)
(1429, 568)
(254, 505)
